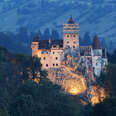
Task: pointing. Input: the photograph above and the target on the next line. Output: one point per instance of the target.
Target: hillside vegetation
(21, 96)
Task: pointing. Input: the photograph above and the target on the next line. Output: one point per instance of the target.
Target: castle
(52, 52)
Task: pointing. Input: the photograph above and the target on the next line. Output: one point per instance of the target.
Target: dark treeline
(108, 81)
(20, 42)
(21, 96)
(87, 40)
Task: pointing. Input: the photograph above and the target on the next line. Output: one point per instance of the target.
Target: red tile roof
(71, 21)
(96, 43)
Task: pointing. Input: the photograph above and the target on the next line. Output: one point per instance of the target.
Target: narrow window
(67, 42)
(46, 65)
(74, 35)
(73, 46)
(44, 58)
(56, 58)
(74, 42)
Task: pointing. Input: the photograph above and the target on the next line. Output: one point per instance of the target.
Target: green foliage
(4, 113)
(21, 96)
(3, 51)
(112, 57)
(109, 79)
(106, 108)
(22, 105)
(44, 99)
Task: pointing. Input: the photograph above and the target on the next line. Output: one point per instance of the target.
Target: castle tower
(97, 47)
(35, 46)
(71, 35)
(96, 43)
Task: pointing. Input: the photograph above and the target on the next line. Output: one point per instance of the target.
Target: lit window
(54, 46)
(74, 35)
(67, 42)
(74, 42)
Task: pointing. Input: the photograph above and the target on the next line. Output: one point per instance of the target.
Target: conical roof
(96, 43)
(71, 21)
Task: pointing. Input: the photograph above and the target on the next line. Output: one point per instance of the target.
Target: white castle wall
(51, 59)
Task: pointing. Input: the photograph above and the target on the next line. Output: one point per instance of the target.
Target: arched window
(67, 35)
(74, 35)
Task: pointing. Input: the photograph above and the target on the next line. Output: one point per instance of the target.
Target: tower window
(46, 65)
(44, 58)
(74, 42)
(53, 52)
(53, 64)
(56, 58)
(56, 64)
(74, 35)
(54, 46)
(67, 35)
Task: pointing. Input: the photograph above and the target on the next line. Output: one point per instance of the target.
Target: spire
(96, 43)
(36, 39)
(71, 21)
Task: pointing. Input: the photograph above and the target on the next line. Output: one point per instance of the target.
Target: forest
(21, 95)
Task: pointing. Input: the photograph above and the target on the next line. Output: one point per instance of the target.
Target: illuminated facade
(71, 35)
(52, 52)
